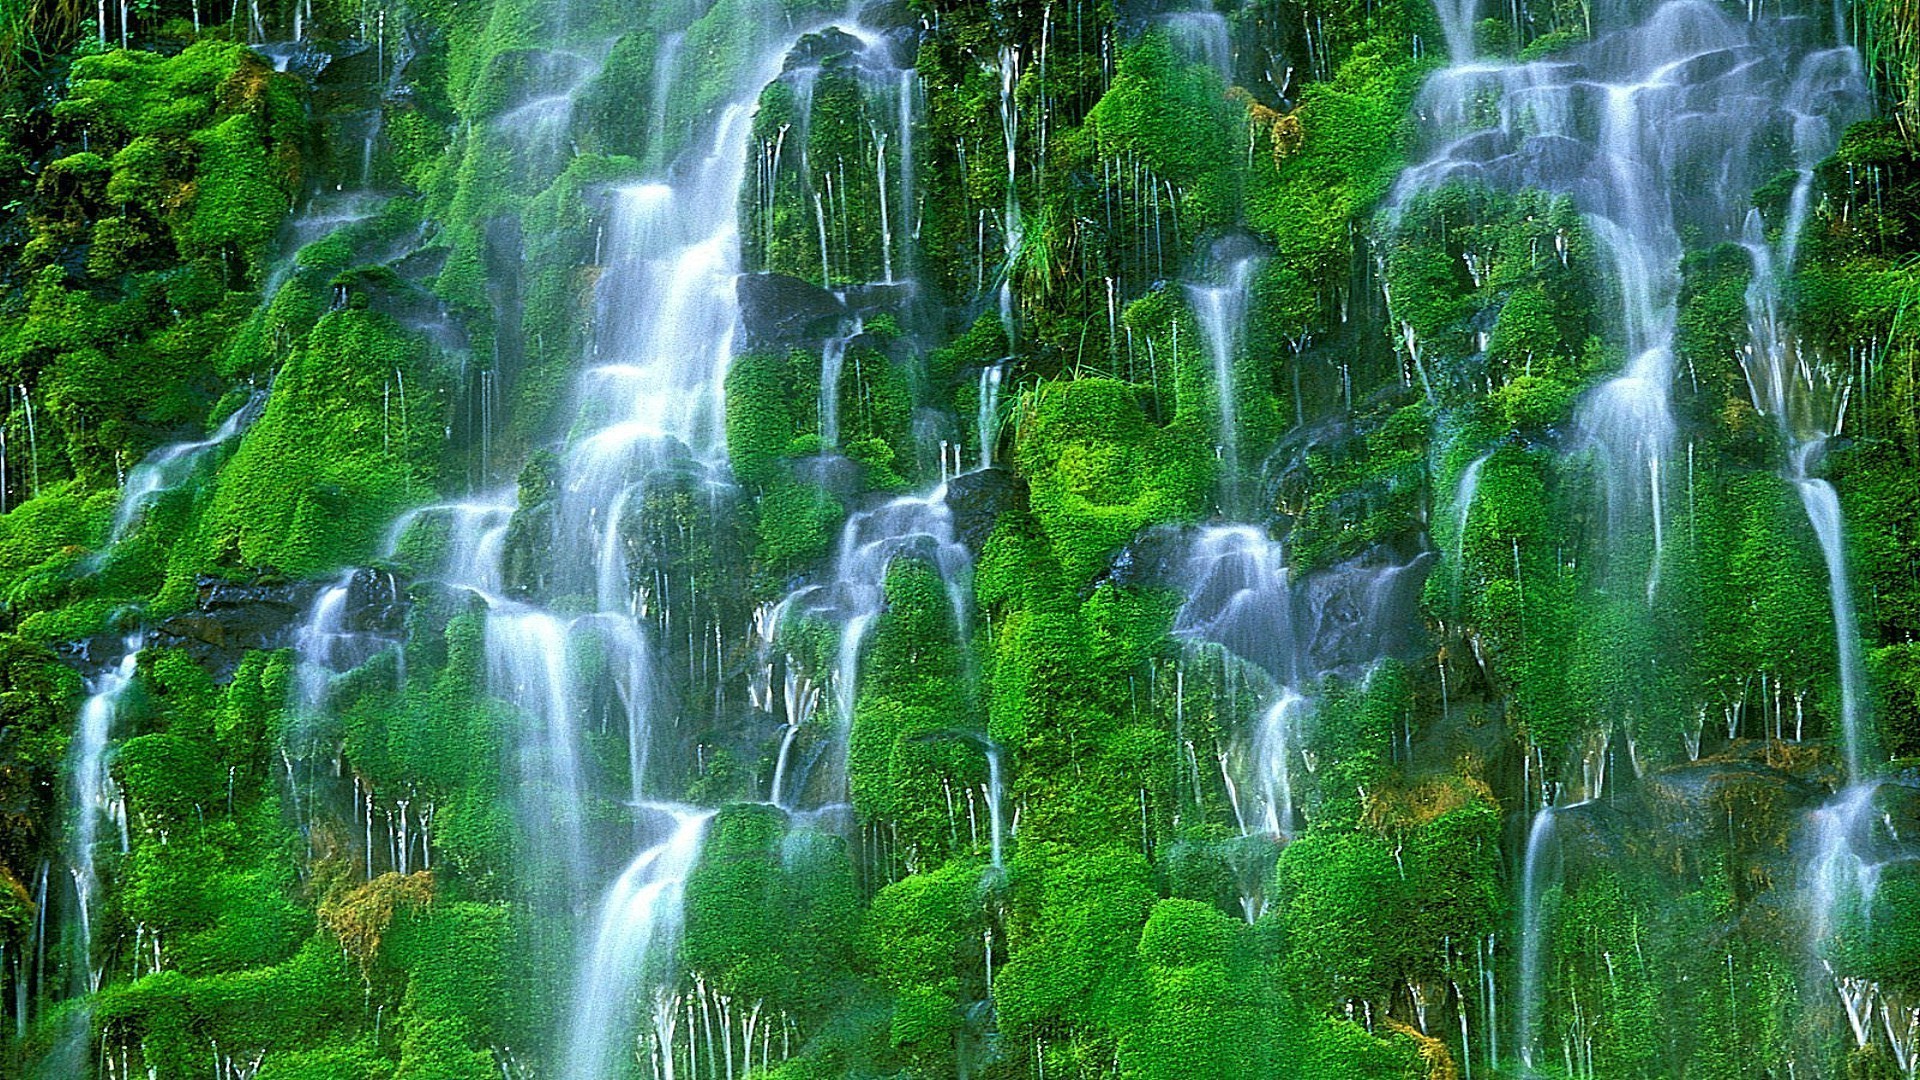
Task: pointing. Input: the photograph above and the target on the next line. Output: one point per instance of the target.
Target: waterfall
(905, 111)
(1221, 311)
(802, 700)
(324, 214)
(1656, 131)
(96, 797)
(1203, 36)
(1653, 131)
(1289, 635)
(910, 526)
(631, 960)
(166, 467)
(540, 121)
(987, 419)
(1463, 493)
(996, 798)
(1823, 510)
(833, 360)
(1273, 757)
(336, 635)
(1534, 928)
(1011, 227)
(1457, 23)
(1801, 393)
(1239, 596)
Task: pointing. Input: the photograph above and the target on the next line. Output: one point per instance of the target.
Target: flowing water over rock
(1655, 131)
(1241, 597)
(625, 972)
(168, 466)
(914, 526)
(1206, 37)
(96, 796)
(1221, 311)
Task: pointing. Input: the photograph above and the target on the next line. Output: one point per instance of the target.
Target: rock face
(977, 499)
(233, 617)
(779, 312)
(1151, 558)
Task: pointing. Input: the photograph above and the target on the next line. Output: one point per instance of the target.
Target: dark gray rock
(778, 312)
(978, 499)
(816, 49)
(1151, 558)
(232, 618)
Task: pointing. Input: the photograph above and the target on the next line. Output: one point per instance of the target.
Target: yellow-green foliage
(1174, 116)
(922, 940)
(1073, 959)
(350, 435)
(360, 917)
(772, 915)
(1204, 1010)
(1100, 471)
(1352, 142)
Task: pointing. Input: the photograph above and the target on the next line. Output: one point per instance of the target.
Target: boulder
(977, 499)
(778, 312)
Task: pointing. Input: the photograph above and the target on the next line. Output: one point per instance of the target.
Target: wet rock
(1151, 558)
(816, 49)
(977, 499)
(889, 15)
(231, 617)
(307, 60)
(837, 473)
(880, 298)
(778, 312)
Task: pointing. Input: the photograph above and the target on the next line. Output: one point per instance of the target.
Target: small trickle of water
(833, 361)
(96, 797)
(1221, 311)
(167, 467)
(1533, 933)
(913, 526)
(987, 420)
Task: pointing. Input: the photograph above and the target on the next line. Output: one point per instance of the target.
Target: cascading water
(1221, 311)
(912, 526)
(96, 798)
(1457, 23)
(1850, 839)
(166, 467)
(638, 930)
(1799, 392)
(987, 423)
(833, 360)
(539, 122)
(1534, 927)
(1012, 226)
(1463, 493)
(1241, 598)
(650, 416)
(1204, 36)
(1654, 132)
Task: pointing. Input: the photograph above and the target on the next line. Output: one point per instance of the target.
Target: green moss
(1174, 117)
(1100, 471)
(350, 436)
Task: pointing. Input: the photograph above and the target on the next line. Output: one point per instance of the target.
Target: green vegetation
(1024, 824)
